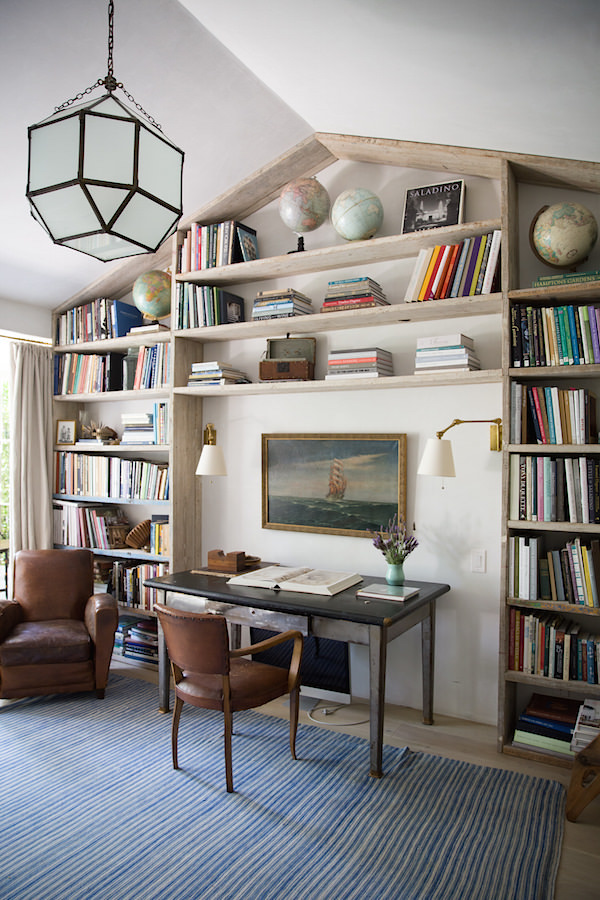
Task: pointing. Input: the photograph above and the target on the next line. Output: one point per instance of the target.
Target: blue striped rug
(92, 810)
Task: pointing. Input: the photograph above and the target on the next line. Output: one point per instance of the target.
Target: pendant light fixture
(102, 178)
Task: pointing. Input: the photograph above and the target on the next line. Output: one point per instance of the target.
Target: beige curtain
(31, 433)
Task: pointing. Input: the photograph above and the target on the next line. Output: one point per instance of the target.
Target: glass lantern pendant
(103, 179)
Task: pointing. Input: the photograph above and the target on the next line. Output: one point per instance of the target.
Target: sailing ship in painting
(337, 480)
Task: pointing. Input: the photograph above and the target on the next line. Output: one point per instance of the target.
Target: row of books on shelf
(92, 373)
(552, 646)
(548, 723)
(109, 477)
(97, 320)
(216, 244)
(137, 639)
(569, 574)
(366, 362)
(548, 414)
(126, 582)
(199, 305)
(456, 270)
(146, 427)
(566, 335)
(87, 525)
(554, 489)
(450, 352)
(214, 373)
(361, 292)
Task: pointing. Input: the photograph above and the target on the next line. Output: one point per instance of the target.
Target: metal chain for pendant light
(109, 82)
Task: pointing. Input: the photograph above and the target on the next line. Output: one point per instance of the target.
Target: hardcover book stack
(446, 352)
(555, 336)
(554, 489)
(552, 415)
(215, 374)
(146, 427)
(368, 362)
(565, 278)
(547, 723)
(353, 293)
(137, 639)
(280, 304)
(587, 726)
(569, 574)
(456, 270)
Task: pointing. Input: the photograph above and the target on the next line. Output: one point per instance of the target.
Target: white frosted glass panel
(108, 107)
(109, 147)
(105, 247)
(54, 153)
(108, 200)
(144, 221)
(66, 212)
(159, 169)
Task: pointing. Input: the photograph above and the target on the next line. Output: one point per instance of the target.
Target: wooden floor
(579, 872)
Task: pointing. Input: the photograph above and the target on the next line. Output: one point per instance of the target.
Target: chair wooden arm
(296, 636)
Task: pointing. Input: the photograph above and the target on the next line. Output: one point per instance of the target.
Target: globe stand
(300, 246)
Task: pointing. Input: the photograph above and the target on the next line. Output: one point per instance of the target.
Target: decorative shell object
(139, 535)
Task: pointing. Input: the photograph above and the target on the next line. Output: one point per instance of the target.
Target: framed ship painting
(333, 483)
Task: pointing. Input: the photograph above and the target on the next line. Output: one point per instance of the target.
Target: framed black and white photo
(65, 431)
(433, 206)
(333, 483)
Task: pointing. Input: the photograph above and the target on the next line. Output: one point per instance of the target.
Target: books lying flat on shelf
(300, 579)
(215, 373)
(353, 293)
(146, 427)
(456, 270)
(364, 362)
(587, 726)
(281, 303)
(565, 278)
(547, 723)
(451, 352)
(387, 591)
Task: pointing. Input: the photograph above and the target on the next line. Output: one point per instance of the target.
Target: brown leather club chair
(210, 675)
(56, 635)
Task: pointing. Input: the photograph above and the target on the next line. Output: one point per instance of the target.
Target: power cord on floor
(329, 711)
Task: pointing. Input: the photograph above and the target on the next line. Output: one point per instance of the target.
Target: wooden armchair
(208, 674)
(56, 635)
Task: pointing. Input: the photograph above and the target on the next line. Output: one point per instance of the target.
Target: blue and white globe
(357, 214)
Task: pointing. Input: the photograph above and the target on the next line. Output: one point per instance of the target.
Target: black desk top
(345, 605)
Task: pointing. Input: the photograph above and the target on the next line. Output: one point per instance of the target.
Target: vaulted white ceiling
(235, 84)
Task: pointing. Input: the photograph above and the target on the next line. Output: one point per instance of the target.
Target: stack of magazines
(587, 726)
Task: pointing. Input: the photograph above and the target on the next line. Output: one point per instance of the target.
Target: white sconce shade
(437, 459)
(104, 181)
(211, 462)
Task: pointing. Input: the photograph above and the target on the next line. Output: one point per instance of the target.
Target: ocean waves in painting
(307, 513)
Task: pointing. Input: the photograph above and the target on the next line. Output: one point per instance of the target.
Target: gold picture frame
(66, 431)
(347, 484)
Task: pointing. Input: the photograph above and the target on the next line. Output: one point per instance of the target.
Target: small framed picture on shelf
(231, 308)
(333, 483)
(433, 206)
(66, 431)
(248, 242)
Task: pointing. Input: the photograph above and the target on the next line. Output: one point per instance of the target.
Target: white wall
(449, 523)
(25, 318)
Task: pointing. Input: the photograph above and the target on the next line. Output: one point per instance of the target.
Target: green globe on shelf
(152, 294)
(303, 206)
(357, 214)
(564, 234)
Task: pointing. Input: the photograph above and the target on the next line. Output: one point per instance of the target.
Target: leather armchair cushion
(44, 643)
(252, 684)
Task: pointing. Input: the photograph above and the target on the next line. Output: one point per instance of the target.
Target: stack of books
(548, 724)
(587, 726)
(453, 352)
(279, 304)
(140, 641)
(145, 427)
(353, 293)
(456, 270)
(368, 362)
(215, 373)
(565, 278)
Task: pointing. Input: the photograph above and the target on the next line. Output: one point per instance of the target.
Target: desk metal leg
(164, 668)
(428, 655)
(377, 660)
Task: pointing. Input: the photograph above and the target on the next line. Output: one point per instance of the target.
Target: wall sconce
(438, 459)
(211, 460)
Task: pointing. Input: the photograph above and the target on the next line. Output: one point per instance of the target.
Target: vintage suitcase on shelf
(289, 359)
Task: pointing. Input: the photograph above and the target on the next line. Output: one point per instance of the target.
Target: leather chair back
(198, 642)
(53, 584)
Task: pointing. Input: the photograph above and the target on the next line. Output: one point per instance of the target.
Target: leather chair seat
(251, 683)
(45, 643)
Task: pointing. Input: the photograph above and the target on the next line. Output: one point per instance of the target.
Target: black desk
(343, 617)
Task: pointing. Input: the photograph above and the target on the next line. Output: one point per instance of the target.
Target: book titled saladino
(300, 579)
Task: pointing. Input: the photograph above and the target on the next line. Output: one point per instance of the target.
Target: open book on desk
(300, 579)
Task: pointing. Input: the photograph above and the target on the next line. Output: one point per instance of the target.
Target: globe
(303, 204)
(564, 234)
(152, 294)
(357, 214)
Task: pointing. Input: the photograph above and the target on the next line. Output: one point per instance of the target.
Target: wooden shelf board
(537, 449)
(122, 554)
(540, 755)
(556, 685)
(141, 394)
(580, 291)
(554, 606)
(109, 345)
(567, 527)
(352, 253)
(544, 373)
(392, 382)
(108, 501)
